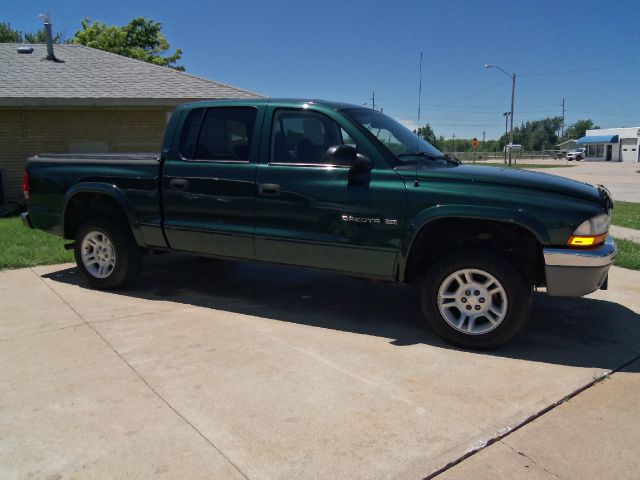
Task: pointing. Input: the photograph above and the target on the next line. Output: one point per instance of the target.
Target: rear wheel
(475, 299)
(106, 253)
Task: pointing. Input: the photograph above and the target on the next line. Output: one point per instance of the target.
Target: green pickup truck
(335, 187)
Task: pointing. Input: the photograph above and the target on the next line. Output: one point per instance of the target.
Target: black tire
(128, 256)
(514, 287)
(578, 158)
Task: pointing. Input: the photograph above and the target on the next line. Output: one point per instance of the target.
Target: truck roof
(281, 102)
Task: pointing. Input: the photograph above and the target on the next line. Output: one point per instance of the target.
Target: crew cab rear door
(209, 182)
(313, 213)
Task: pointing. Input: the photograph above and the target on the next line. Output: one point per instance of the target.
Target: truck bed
(133, 178)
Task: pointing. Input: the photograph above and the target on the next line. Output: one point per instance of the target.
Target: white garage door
(629, 148)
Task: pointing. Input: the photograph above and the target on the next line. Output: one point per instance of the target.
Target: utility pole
(453, 143)
(562, 125)
(373, 100)
(513, 94)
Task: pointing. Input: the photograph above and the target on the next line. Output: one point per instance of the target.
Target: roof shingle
(86, 76)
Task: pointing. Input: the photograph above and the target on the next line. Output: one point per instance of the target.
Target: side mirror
(348, 156)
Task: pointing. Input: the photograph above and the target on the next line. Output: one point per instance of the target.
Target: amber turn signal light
(586, 240)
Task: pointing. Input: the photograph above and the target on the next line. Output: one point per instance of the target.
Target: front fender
(440, 212)
(116, 194)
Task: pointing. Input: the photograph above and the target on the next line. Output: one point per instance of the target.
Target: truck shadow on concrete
(581, 332)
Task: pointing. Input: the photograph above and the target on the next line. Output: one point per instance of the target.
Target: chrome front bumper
(573, 272)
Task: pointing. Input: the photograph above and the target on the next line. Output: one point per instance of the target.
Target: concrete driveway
(621, 178)
(209, 369)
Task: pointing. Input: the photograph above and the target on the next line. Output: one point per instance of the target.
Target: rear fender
(116, 194)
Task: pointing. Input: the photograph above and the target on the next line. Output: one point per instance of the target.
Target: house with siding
(86, 100)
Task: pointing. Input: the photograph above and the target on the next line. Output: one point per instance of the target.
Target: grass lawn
(626, 214)
(521, 165)
(628, 254)
(23, 247)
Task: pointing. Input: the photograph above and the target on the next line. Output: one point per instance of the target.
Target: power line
(483, 90)
(579, 70)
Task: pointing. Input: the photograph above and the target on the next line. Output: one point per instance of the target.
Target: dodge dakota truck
(336, 187)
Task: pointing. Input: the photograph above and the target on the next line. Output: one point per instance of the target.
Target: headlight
(591, 232)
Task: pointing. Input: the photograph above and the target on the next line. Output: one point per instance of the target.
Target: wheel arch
(441, 229)
(89, 198)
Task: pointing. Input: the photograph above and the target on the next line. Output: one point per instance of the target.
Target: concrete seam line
(43, 331)
(499, 436)
(155, 392)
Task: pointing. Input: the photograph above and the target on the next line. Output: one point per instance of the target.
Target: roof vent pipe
(48, 35)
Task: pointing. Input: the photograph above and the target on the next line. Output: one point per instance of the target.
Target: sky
(585, 51)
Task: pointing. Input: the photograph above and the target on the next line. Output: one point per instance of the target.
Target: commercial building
(612, 144)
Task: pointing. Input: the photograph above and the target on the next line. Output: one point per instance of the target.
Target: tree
(10, 35)
(579, 129)
(426, 132)
(141, 39)
(536, 134)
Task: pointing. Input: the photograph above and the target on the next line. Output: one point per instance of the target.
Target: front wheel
(475, 299)
(106, 253)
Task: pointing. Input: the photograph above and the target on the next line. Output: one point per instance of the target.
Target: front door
(312, 213)
(209, 189)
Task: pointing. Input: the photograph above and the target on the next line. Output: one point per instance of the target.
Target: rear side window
(190, 131)
(221, 133)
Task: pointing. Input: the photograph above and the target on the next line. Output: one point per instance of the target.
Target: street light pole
(506, 131)
(513, 94)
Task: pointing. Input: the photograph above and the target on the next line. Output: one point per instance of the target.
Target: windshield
(402, 142)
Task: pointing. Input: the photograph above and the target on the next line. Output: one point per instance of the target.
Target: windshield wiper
(431, 156)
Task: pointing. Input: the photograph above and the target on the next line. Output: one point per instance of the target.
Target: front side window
(219, 133)
(303, 137)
